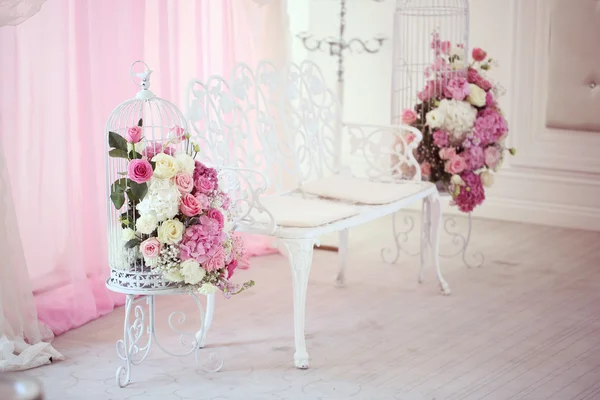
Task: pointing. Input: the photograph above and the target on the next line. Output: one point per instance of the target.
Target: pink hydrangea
(489, 100)
(201, 241)
(490, 126)
(474, 77)
(205, 178)
(441, 138)
(457, 88)
(474, 157)
(493, 155)
(471, 194)
(154, 148)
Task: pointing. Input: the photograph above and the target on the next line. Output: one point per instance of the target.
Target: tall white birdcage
(431, 46)
(160, 125)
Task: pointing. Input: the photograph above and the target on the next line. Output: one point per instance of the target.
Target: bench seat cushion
(362, 191)
(298, 212)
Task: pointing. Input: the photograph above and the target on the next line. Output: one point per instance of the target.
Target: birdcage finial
(144, 76)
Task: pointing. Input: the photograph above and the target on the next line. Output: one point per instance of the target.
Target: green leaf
(140, 122)
(132, 243)
(134, 155)
(117, 141)
(137, 191)
(118, 153)
(117, 192)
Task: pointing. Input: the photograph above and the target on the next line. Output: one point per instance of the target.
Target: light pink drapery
(62, 73)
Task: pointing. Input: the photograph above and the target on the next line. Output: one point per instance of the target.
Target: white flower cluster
(455, 117)
(161, 201)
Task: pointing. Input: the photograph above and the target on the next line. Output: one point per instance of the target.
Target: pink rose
(134, 134)
(177, 135)
(455, 165)
(139, 170)
(425, 169)
(216, 261)
(184, 182)
(204, 184)
(150, 248)
(190, 205)
(217, 216)
(492, 156)
(409, 117)
(457, 88)
(479, 54)
(203, 200)
(441, 138)
(447, 153)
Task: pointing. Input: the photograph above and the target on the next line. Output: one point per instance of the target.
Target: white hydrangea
(459, 118)
(192, 272)
(185, 163)
(162, 200)
(146, 224)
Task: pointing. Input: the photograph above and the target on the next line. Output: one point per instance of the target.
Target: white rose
(170, 231)
(457, 180)
(191, 271)
(477, 96)
(173, 276)
(458, 65)
(487, 178)
(185, 163)
(166, 166)
(207, 288)
(127, 234)
(146, 224)
(435, 118)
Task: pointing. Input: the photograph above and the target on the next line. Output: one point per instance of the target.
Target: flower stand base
(139, 332)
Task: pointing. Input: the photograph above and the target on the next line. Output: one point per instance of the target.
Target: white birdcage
(424, 30)
(158, 119)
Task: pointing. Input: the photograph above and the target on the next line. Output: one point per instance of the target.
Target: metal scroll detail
(140, 334)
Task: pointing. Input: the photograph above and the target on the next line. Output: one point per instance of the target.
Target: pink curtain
(63, 72)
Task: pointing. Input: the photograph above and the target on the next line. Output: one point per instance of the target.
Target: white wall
(555, 178)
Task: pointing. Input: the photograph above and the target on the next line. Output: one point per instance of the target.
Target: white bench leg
(424, 240)
(299, 253)
(210, 312)
(434, 209)
(343, 257)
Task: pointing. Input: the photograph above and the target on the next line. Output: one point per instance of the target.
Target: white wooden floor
(525, 326)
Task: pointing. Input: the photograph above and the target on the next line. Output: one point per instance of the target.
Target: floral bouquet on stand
(464, 129)
(177, 220)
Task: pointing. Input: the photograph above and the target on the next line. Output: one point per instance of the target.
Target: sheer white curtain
(21, 336)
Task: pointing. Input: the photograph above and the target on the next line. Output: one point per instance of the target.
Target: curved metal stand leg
(462, 242)
(343, 257)
(391, 256)
(435, 216)
(210, 312)
(300, 254)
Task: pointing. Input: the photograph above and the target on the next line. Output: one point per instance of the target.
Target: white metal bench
(277, 138)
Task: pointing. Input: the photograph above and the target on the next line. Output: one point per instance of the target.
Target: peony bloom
(471, 194)
(139, 171)
(409, 117)
(457, 88)
(493, 155)
(150, 248)
(440, 138)
(479, 54)
(134, 134)
(455, 165)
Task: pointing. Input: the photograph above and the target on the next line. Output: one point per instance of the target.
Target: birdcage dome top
(432, 7)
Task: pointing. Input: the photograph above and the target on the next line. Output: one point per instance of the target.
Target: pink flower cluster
(458, 159)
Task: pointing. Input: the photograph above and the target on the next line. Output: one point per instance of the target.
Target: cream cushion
(362, 191)
(291, 211)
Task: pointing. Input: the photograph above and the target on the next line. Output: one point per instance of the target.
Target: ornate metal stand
(139, 334)
(460, 241)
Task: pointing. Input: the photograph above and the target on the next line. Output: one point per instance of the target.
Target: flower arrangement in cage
(464, 129)
(177, 220)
